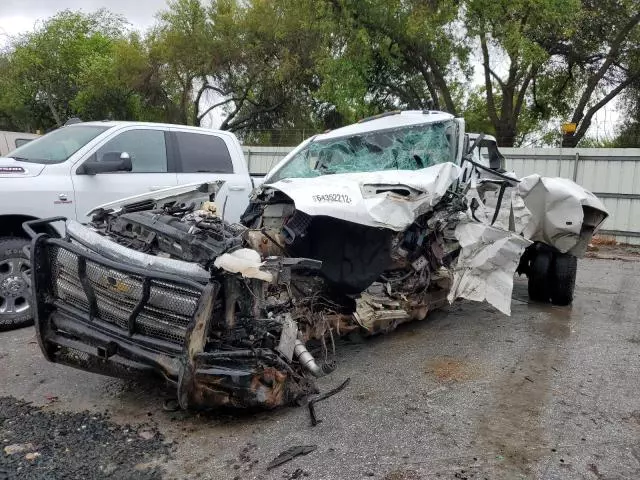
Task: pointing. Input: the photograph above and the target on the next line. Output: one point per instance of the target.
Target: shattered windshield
(405, 148)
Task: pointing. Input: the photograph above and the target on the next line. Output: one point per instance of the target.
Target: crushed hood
(11, 168)
(391, 199)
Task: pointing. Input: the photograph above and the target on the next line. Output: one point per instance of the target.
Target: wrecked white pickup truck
(361, 228)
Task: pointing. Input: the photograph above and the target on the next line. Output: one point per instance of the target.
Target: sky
(20, 16)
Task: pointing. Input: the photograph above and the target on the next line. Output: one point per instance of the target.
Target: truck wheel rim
(14, 286)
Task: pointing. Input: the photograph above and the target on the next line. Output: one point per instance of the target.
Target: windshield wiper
(19, 159)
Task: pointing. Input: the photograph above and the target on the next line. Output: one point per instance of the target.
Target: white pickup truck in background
(75, 168)
(11, 140)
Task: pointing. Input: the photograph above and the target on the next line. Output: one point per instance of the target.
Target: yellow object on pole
(568, 128)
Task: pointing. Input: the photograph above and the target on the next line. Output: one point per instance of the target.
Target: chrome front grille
(165, 314)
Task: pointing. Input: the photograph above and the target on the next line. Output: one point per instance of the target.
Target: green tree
(629, 134)
(405, 51)
(252, 65)
(18, 111)
(265, 76)
(45, 65)
(182, 46)
(551, 59)
(513, 62)
(599, 61)
(114, 84)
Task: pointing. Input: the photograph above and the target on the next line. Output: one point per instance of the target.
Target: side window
(203, 153)
(21, 141)
(146, 148)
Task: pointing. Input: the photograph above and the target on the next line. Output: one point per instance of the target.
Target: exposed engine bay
(326, 274)
(287, 278)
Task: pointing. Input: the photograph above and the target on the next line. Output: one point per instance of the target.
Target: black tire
(15, 291)
(563, 278)
(539, 276)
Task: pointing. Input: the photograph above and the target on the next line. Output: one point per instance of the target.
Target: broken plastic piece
(245, 261)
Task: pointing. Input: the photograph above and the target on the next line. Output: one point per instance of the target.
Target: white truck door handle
(236, 188)
(63, 197)
(158, 187)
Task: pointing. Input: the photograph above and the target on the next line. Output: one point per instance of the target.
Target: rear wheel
(15, 284)
(539, 276)
(563, 278)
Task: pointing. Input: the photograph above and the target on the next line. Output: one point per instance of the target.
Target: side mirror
(110, 162)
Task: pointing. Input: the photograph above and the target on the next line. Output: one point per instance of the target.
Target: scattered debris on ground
(41, 444)
(613, 251)
(291, 453)
(402, 475)
(324, 396)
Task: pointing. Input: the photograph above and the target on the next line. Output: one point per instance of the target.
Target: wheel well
(11, 226)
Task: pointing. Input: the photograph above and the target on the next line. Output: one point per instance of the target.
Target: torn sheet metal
(353, 197)
(486, 265)
(557, 210)
(512, 213)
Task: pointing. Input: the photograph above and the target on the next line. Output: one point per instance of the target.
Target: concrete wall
(612, 174)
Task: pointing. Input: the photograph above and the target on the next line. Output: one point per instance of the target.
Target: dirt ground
(548, 393)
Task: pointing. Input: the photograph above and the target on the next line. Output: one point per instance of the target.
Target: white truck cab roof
(386, 121)
(122, 123)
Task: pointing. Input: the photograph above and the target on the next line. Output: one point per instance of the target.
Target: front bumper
(107, 317)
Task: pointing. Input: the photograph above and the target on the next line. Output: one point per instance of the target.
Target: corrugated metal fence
(262, 159)
(612, 174)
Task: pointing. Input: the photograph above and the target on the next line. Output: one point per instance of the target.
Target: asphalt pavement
(548, 393)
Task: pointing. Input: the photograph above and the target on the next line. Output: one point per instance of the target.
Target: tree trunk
(184, 100)
(505, 133)
(54, 112)
(570, 141)
(184, 114)
(195, 117)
